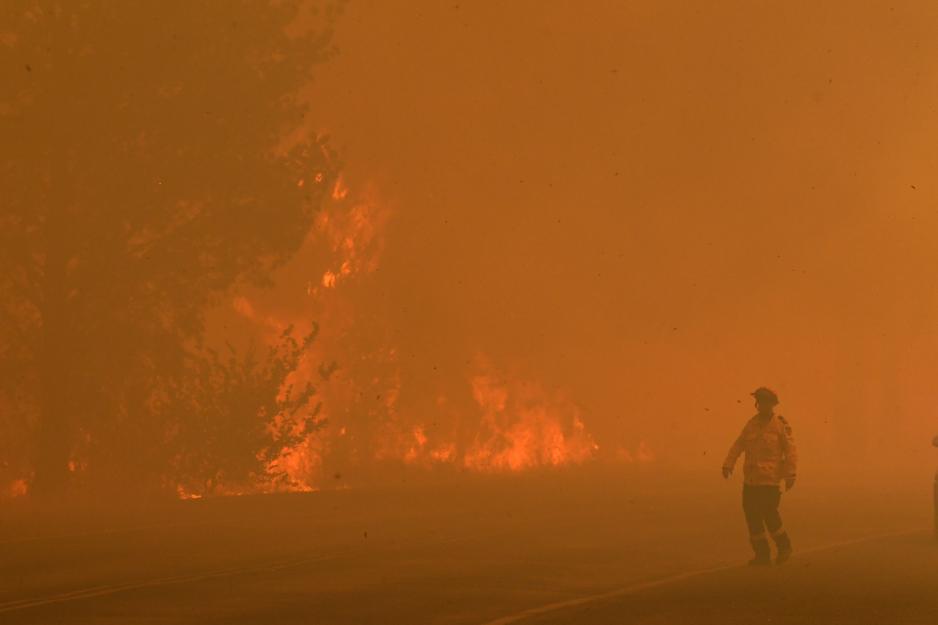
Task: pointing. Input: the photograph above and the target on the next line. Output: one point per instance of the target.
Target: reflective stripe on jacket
(770, 451)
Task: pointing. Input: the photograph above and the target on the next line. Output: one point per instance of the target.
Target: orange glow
(518, 426)
(507, 423)
(523, 428)
(243, 306)
(182, 493)
(302, 464)
(353, 231)
(452, 312)
(350, 231)
(17, 488)
(340, 190)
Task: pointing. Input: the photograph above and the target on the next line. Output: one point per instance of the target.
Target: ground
(883, 580)
(573, 547)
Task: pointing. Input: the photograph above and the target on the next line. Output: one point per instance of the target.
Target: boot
(761, 548)
(783, 542)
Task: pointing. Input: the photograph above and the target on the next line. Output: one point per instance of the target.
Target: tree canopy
(150, 162)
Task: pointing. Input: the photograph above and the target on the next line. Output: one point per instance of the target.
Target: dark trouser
(760, 504)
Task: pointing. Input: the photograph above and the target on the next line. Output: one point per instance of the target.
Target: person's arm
(733, 455)
(790, 463)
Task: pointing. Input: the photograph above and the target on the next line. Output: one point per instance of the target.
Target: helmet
(763, 393)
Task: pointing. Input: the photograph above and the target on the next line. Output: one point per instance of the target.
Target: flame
(517, 426)
(184, 493)
(301, 465)
(444, 453)
(352, 229)
(340, 189)
(496, 422)
(76, 465)
(523, 427)
(420, 440)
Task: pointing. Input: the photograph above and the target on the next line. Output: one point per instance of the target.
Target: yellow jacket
(770, 451)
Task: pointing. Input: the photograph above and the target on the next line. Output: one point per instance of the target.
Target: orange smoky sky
(657, 207)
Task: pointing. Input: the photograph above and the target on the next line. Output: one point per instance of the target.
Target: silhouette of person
(771, 457)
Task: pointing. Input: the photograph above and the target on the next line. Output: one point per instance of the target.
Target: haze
(448, 312)
(659, 207)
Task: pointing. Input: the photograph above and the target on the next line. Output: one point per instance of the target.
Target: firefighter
(771, 457)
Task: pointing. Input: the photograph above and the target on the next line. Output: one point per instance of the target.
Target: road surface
(550, 549)
(891, 579)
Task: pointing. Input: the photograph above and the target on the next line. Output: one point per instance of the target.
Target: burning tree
(236, 413)
(146, 169)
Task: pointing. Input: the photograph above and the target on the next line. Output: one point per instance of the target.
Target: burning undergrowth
(356, 423)
(511, 425)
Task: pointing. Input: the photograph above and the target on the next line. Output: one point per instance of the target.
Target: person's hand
(727, 472)
(789, 483)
